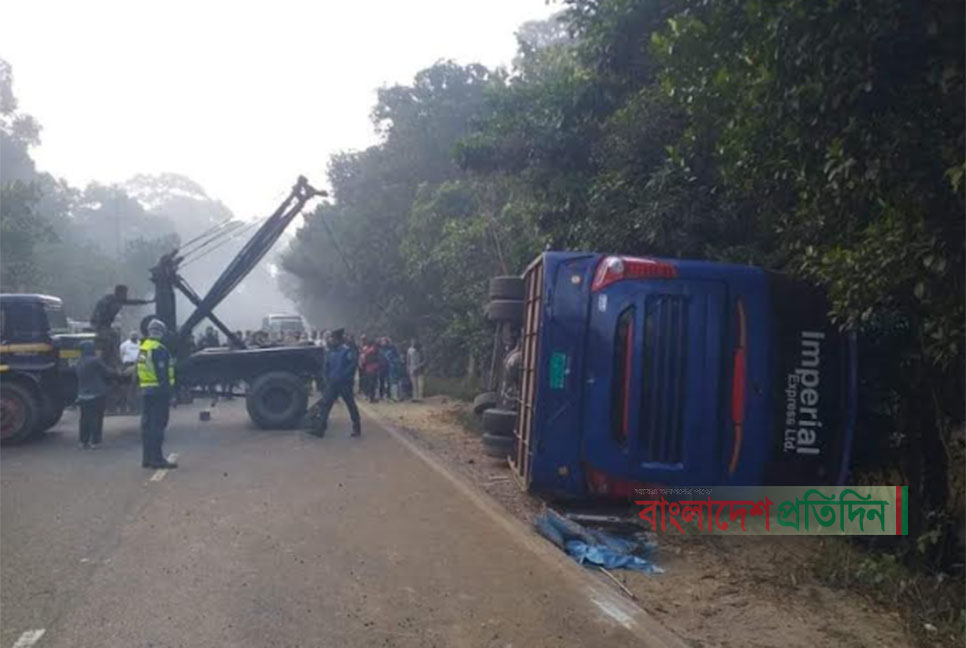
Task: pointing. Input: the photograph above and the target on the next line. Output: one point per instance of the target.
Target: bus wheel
(507, 287)
(277, 400)
(485, 401)
(500, 422)
(505, 310)
(18, 413)
(499, 447)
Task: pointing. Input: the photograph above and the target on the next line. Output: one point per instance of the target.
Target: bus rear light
(738, 383)
(617, 268)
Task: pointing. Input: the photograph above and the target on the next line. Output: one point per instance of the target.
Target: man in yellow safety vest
(156, 382)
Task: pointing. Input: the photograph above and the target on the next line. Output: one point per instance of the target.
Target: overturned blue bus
(648, 371)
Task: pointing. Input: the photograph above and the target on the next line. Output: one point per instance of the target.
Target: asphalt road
(272, 539)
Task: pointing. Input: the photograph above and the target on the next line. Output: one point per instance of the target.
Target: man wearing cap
(339, 369)
(156, 380)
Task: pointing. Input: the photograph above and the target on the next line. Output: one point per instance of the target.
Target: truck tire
(498, 446)
(50, 417)
(485, 401)
(277, 400)
(19, 410)
(505, 310)
(507, 287)
(499, 422)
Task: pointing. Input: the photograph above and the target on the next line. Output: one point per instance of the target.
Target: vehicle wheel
(507, 287)
(485, 401)
(277, 400)
(505, 310)
(18, 413)
(499, 422)
(498, 446)
(49, 417)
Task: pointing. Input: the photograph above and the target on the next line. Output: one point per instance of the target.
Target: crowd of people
(384, 371)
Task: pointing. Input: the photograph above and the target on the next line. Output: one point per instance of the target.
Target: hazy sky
(240, 96)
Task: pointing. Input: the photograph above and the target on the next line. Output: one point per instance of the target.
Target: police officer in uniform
(156, 381)
(339, 370)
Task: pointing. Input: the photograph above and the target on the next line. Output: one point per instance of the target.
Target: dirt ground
(716, 591)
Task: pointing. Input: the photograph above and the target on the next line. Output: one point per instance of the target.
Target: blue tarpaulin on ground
(595, 547)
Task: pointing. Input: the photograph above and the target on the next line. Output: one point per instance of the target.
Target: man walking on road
(339, 369)
(156, 379)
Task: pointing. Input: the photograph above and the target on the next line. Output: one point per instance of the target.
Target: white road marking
(628, 614)
(29, 638)
(159, 474)
(614, 612)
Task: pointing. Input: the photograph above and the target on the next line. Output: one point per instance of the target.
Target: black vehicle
(37, 357)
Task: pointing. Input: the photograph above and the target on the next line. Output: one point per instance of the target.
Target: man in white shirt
(130, 348)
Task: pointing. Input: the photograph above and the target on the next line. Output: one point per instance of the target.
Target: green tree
(821, 139)
(21, 226)
(353, 259)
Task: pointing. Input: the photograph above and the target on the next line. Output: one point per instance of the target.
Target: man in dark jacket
(102, 319)
(92, 376)
(339, 369)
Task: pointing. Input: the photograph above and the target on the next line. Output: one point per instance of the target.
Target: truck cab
(38, 352)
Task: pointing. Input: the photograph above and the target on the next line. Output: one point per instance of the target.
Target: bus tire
(506, 287)
(500, 422)
(505, 310)
(485, 401)
(277, 400)
(498, 446)
(19, 410)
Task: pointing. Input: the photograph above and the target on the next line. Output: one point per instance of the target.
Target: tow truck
(277, 377)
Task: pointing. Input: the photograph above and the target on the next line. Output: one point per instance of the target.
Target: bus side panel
(814, 397)
(557, 430)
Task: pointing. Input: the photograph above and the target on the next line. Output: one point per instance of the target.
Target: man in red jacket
(369, 363)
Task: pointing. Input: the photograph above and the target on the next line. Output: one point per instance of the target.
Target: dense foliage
(823, 139)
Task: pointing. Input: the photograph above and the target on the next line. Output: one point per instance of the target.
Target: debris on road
(592, 518)
(596, 547)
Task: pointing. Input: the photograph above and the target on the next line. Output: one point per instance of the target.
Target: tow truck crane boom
(166, 277)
